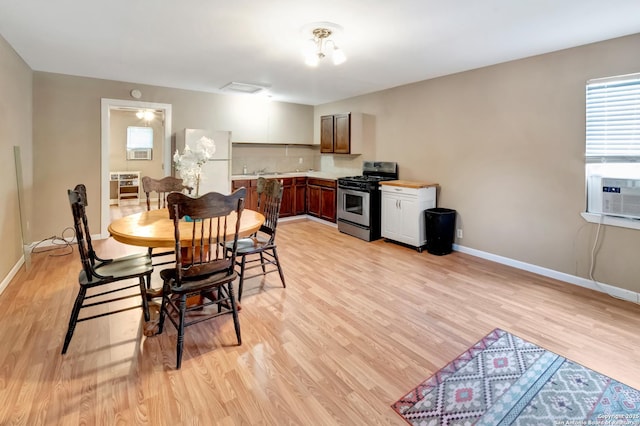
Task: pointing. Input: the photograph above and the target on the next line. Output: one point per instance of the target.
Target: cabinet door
(326, 133)
(409, 228)
(286, 206)
(313, 200)
(300, 196)
(251, 199)
(342, 133)
(391, 218)
(328, 204)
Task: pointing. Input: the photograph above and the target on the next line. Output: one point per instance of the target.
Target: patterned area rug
(504, 380)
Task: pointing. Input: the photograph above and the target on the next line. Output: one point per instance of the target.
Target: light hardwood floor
(357, 327)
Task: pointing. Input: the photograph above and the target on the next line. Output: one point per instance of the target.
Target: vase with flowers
(190, 163)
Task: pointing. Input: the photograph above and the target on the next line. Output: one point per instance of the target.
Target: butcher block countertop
(408, 183)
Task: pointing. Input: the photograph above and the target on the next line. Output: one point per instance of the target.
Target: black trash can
(440, 227)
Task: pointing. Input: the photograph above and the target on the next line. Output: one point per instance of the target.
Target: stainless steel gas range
(359, 203)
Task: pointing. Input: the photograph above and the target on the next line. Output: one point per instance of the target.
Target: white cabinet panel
(403, 213)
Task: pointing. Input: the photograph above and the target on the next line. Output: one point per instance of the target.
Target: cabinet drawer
(321, 182)
(400, 190)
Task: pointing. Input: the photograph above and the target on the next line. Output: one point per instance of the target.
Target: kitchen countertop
(408, 184)
(280, 175)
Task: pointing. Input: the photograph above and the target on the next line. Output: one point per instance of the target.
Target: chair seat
(253, 244)
(129, 258)
(190, 286)
(125, 267)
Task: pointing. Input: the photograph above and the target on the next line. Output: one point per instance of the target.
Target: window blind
(613, 119)
(139, 137)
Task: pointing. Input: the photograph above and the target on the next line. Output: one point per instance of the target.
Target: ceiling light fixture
(320, 46)
(145, 114)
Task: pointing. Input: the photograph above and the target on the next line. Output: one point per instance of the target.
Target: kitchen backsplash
(274, 158)
(290, 158)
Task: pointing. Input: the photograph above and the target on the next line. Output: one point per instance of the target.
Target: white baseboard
(613, 291)
(306, 216)
(12, 273)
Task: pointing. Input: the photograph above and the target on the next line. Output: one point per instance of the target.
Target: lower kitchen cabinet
(300, 196)
(251, 200)
(321, 198)
(294, 195)
(403, 206)
(286, 206)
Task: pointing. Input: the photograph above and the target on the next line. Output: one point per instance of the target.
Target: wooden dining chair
(162, 187)
(204, 269)
(260, 250)
(114, 276)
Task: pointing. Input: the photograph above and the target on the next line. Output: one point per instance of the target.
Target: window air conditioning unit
(139, 154)
(621, 197)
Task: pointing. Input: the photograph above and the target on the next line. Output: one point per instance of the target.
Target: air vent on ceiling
(247, 88)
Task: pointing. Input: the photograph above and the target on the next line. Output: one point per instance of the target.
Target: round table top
(154, 228)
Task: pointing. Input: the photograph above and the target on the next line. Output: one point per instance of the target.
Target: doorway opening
(107, 107)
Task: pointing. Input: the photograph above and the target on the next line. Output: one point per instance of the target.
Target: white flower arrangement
(190, 163)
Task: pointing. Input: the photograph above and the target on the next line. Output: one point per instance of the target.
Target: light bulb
(338, 56)
(312, 60)
(310, 53)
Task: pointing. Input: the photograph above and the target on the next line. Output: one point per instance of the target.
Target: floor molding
(307, 217)
(613, 291)
(12, 273)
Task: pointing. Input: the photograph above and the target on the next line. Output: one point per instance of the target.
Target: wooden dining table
(154, 228)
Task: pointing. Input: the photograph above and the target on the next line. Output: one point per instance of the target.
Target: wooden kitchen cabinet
(403, 206)
(251, 200)
(286, 206)
(293, 196)
(300, 196)
(321, 198)
(341, 133)
(326, 134)
(293, 188)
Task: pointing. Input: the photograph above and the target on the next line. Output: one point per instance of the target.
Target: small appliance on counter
(359, 205)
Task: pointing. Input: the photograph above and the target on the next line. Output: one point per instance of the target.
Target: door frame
(106, 106)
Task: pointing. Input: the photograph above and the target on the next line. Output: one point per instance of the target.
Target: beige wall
(15, 130)
(506, 144)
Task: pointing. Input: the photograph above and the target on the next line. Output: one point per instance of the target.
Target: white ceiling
(204, 44)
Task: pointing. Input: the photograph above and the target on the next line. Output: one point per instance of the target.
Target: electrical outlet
(459, 233)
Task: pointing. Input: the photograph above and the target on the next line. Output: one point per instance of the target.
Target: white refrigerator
(216, 174)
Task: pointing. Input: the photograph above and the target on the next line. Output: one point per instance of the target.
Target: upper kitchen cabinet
(259, 120)
(290, 124)
(342, 133)
(246, 117)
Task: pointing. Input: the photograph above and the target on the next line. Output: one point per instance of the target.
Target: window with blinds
(613, 143)
(613, 119)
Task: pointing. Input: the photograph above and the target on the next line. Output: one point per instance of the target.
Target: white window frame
(612, 147)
